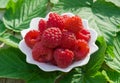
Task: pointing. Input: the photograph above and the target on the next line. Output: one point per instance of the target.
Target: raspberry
(66, 17)
(41, 53)
(73, 24)
(53, 62)
(68, 39)
(31, 38)
(83, 34)
(81, 49)
(63, 57)
(55, 20)
(51, 37)
(42, 25)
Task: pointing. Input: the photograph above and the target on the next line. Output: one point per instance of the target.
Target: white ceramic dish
(48, 67)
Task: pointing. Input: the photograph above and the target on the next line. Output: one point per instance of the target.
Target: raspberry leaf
(3, 3)
(19, 14)
(13, 65)
(116, 2)
(9, 39)
(6, 36)
(111, 75)
(2, 13)
(2, 28)
(77, 76)
(114, 62)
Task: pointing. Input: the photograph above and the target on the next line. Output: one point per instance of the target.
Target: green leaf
(116, 2)
(1, 14)
(19, 14)
(114, 63)
(109, 52)
(97, 58)
(54, 1)
(3, 3)
(111, 76)
(97, 78)
(13, 65)
(76, 76)
(2, 28)
(9, 40)
(103, 16)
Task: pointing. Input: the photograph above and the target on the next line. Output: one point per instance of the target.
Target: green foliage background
(103, 16)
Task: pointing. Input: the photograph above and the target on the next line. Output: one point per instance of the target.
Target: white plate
(48, 67)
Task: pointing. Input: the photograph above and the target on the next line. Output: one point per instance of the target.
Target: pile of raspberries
(60, 40)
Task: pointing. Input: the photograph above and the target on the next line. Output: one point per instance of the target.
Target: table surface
(6, 80)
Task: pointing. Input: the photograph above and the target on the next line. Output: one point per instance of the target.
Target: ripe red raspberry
(51, 37)
(53, 62)
(41, 53)
(63, 57)
(31, 38)
(68, 39)
(81, 49)
(66, 17)
(73, 24)
(42, 25)
(55, 20)
(83, 34)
